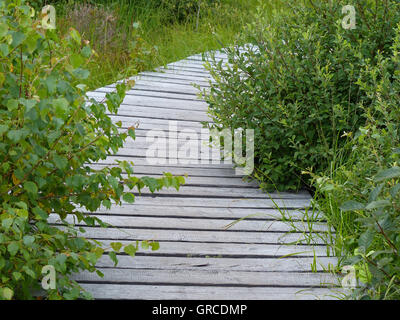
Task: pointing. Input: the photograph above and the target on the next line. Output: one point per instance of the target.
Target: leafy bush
(49, 135)
(296, 85)
(361, 196)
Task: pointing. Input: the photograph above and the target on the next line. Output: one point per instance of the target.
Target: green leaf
(388, 174)
(132, 134)
(100, 274)
(145, 245)
(40, 213)
(30, 187)
(13, 248)
(375, 193)
(17, 275)
(22, 213)
(366, 239)
(28, 103)
(4, 49)
(378, 204)
(81, 74)
(17, 135)
(113, 257)
(155, 246)
(352, 205)
(86, 52)
(76, 60)
(17, 38)
(116, 246)
(395, 190)
(3, 128)
(3, 29)
(61, 106)
(7, 293)
(6, 223)
(384, 261)
(60, 162)
(130, 249)
(75, 35)
(128, 197)
(28, 240)
(151, 183)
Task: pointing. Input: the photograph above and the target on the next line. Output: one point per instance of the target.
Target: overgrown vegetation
(323, 101)
(49, 135)
(360, 195)
(130, 36)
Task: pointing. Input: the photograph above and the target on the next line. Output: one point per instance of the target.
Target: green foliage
(130, 36)
(50, 133)
(360, 196)
(296, 85)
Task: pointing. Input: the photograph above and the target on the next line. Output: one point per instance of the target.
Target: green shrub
(361, 195)
(296, 86)
(49, 135)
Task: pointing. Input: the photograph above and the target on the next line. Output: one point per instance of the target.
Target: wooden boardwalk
(198, 257)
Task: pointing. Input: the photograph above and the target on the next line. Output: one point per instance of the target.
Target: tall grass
(147, 34)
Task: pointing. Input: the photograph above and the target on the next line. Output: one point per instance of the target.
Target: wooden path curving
(198, 257)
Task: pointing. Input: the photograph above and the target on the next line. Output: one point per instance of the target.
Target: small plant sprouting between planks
(49, 134)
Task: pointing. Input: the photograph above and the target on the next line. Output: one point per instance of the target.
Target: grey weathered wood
(160, 292)
(225, 203)
(199, 257)
(218, 213)
(175, 76)
(223, 192)
(215, 263)
(204, 236)
(144, 90)
(212, 277)
(203, 224)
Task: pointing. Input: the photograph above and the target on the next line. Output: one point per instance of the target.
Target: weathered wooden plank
(162, 113)
(188, 92)
(159, 113)
(158, 292)
(141, 161)
(200, 75)
(185, 70)
(288, 264)
(162, 78)
(175, 76)
(142, 134)
(157, 78)
(157, 124)
(197, 63)
(204, 237)
(163, 142)
(223, 250)
(134, 96)
(161, 159)
(146, 123)
(204, 224)
(225, 203)
(212, 277)
(214, 182)
(187, 64)
(139, 90)
(217, 213)
(131, 101)
(222, 192)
